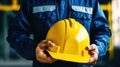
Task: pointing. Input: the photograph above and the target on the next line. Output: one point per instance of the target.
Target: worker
(37, 16)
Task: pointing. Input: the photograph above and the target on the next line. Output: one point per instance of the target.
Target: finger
(50, 60)
(93, 58)
(38, 50)
(92, 61)
(92, 53)
(42, 57)
(50, 44)
(91, 47)
(45, 59)
(44, 44)
(40, 53)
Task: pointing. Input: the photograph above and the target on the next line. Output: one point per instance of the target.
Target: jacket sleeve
(20, 30)
(100, 32)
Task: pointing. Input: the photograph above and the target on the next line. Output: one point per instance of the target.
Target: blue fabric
(28, 21)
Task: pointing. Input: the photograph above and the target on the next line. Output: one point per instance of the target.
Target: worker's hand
(93, 51)
(41, 56)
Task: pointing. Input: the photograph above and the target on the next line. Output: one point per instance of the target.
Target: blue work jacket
(37, 16)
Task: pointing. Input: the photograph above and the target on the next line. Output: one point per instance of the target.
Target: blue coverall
(37, 16)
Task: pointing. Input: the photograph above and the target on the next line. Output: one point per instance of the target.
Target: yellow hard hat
(71, 39)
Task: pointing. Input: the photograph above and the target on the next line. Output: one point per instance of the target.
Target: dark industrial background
(10, 58)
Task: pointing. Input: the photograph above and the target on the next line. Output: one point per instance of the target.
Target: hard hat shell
(71, 39)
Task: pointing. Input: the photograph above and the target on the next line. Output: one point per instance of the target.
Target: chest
(47, 12)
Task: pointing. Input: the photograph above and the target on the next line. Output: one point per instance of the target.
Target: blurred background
(10, 58)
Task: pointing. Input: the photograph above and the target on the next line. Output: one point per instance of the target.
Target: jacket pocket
(44, 12)
(80, 12)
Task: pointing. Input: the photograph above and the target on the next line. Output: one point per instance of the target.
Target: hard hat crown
(71, 39)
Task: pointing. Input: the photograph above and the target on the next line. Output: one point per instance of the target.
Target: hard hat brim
(70, 57)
